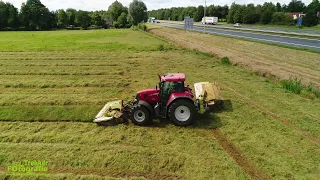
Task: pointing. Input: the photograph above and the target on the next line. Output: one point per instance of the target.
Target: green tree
(97, 18)
(138, 12)
(13, 18)
(83, 19)
(71, 14)
(296, 6)
(311, 18)
(62, 18)
(167, 14)
(34, 15)
(270, 7)
(232, 12)
(266, 17)
(250, 16)
(116, 9)
(238, 16)
(122, 21)
(4, 15)
(45, 19)
(278, 7)
(198, 15)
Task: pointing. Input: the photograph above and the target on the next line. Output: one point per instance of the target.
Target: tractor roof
(173, 77)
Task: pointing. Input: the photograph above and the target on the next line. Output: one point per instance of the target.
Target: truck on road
(210, 20)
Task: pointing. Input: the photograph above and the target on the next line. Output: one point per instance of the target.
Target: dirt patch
(278, 62)
(275, 116)
(236, 154)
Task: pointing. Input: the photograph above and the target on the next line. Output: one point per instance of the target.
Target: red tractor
(170, 99)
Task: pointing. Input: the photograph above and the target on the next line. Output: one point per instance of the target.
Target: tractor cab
(171, 87)
(169, 84)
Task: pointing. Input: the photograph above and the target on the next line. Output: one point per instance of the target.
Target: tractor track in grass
(106, 173)
(235, 153)
(274, 115)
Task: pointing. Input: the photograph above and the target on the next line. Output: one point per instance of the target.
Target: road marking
(280, 42)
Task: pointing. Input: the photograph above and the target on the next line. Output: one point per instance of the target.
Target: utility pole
(204, 16)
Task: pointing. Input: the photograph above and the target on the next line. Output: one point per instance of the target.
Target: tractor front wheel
(182, 112)
(140, 115)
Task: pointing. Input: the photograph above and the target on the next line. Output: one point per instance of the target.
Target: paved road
(312, 44)
(276, 30)
(300, 32)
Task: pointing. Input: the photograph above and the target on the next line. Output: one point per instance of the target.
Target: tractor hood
(148, 91)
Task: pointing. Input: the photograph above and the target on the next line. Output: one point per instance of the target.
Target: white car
(237, 25)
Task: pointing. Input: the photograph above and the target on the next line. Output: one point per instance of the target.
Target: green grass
(96, 40)
(70, 84)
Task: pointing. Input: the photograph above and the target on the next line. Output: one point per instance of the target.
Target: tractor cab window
(167, 88)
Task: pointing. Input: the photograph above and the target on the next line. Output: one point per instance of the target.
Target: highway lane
(300, 32)
(305, 43)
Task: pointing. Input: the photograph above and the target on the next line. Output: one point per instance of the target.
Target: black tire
(184, 119)
(140, 115)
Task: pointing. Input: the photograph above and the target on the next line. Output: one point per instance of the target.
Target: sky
(92, 5)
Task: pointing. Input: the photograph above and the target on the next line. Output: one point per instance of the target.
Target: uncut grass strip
(275, 116)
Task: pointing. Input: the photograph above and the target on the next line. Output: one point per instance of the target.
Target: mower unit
(170, 99)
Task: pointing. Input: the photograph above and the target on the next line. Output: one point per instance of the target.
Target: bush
(266, 17)
(310, 19)
(160, 47)
(116, 25)
(281, 18)
(143, 27)
(293, 85)
(225, 60)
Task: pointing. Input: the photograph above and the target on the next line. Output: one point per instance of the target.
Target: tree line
(178, 14)
(34, 15)
(268, 13)
(274, 13)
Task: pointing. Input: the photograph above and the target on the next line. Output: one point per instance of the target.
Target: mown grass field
(52, 84)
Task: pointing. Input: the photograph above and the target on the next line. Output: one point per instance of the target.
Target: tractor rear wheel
(140, 115)
(182, 112)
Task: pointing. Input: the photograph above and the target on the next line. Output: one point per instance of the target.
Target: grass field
(52, 84)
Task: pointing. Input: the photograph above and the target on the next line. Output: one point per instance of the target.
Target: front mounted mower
(171, 99)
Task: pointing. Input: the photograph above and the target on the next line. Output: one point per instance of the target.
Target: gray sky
(91, 5)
